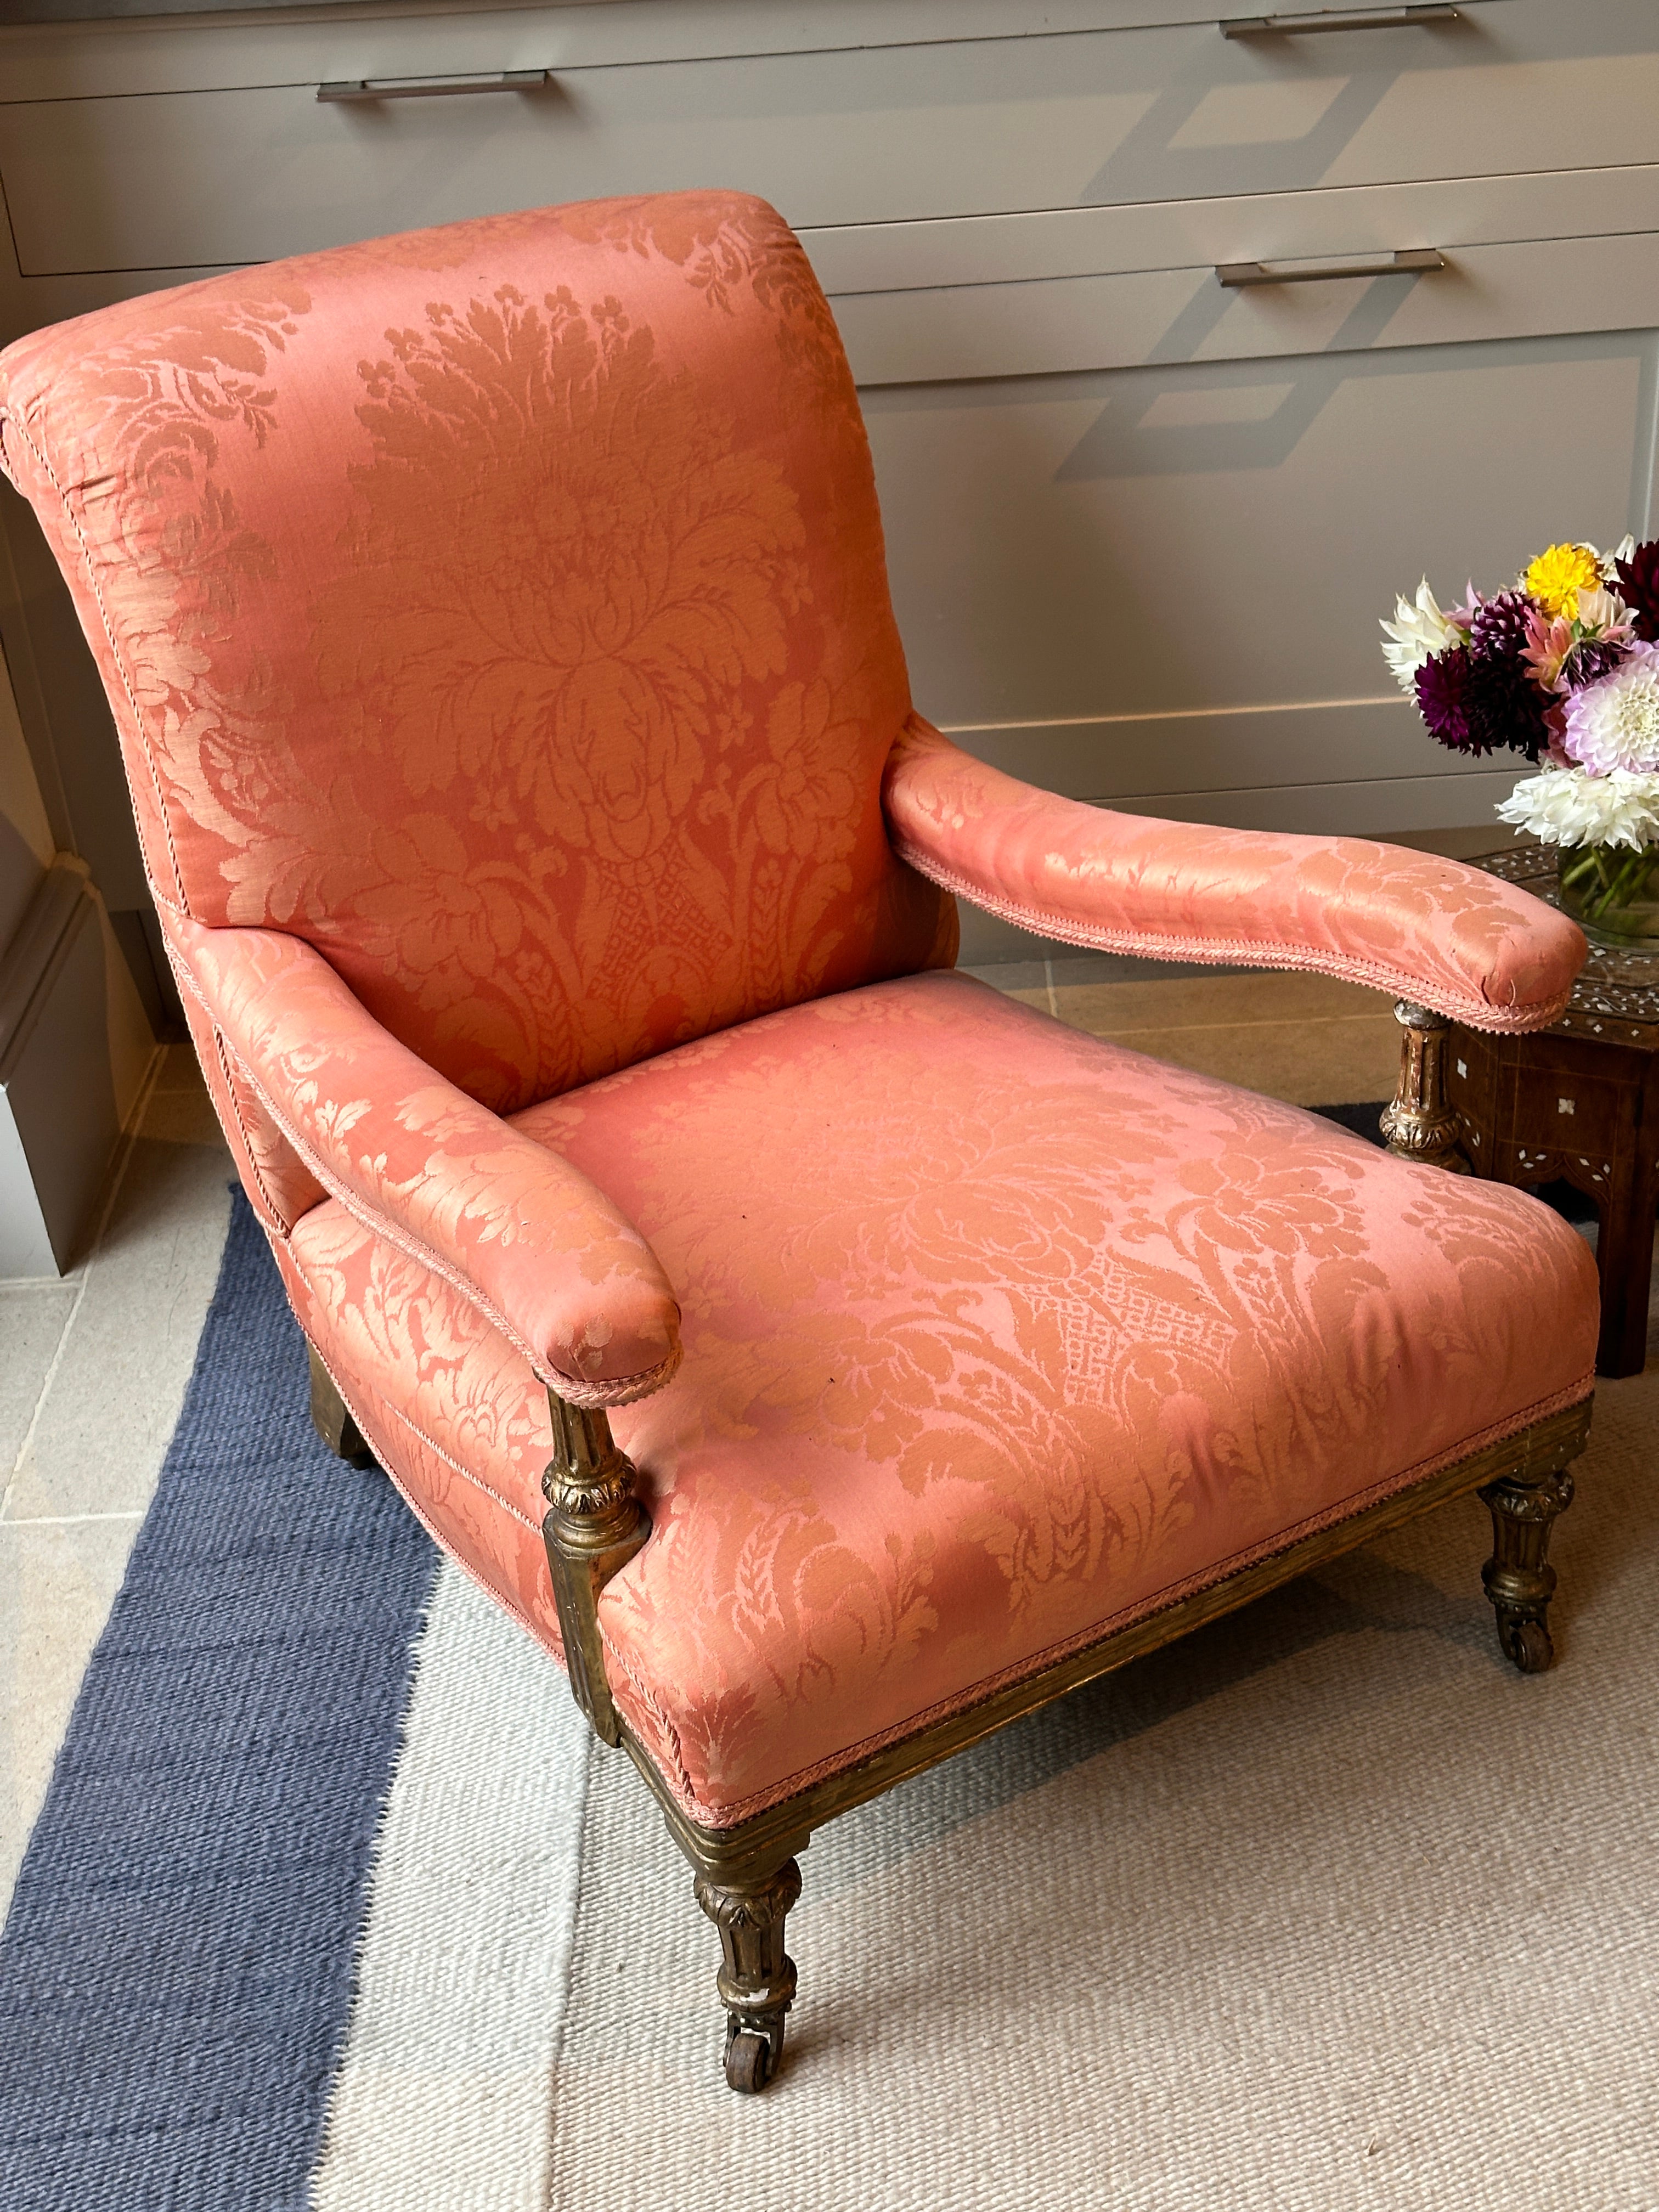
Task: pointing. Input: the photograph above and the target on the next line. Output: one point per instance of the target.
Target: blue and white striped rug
(292, 1710)
(333, 1908)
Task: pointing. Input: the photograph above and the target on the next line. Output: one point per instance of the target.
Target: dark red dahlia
(1441, 685)
(1503, 708)
(1481, 704)
(1639, 587)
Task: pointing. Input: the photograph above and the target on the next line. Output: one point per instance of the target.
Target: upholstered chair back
(502, 609)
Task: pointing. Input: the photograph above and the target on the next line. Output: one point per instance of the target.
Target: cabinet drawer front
(1278, 228)
(882, 134)
(320, 40)
(955, 332)
(184, 180)
(193, 179)
(1161, 586)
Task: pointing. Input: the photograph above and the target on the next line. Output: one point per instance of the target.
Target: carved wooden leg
(756, 1980)
(1417, 1123)
(329, 1416)
(1624, 1261)
(594, 1525)
(1519, 1579)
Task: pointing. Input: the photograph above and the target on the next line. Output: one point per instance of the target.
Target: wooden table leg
(1624, 1260)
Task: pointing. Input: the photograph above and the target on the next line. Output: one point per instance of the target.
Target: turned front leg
(594, 1525)
(756, 1980)
(1519, 1579)
(1419, 1123)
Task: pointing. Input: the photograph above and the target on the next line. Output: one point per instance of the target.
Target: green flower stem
(1603, 885)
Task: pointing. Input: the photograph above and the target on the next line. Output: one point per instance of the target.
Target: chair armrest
(1432, 931)
(539, 1250)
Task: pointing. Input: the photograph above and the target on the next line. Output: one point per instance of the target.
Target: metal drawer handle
(1361, 19)
(1236, 274)
(432, 88)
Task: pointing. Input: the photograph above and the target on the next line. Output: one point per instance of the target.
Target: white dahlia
(1417, 631)
(1602, 613)
(1608, 563)
(1614, 723)
(1565, 806)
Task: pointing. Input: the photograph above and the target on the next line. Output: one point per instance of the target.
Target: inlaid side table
(1576, 1103)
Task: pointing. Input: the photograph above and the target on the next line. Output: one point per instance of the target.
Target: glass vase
(1611, 893)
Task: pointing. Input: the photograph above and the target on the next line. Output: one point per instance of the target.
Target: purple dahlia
(1503, 709)
(1590, 661)
(1498, 629)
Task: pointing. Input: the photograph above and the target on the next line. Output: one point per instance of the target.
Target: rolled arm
(538, 1247)
(1432, 931)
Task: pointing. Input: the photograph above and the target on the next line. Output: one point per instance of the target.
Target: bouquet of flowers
(1563, 667)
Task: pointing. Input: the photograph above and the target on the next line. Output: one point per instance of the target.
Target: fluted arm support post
(594, 1525)
(1418, 1122)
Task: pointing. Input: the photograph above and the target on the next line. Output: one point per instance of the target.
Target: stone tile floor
(1301, 1038)
(93, 1369)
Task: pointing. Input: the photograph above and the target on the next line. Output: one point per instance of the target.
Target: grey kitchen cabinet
(878, 134)
(1141, 525)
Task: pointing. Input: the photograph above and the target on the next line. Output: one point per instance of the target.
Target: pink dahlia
(1615, 722)
(1549, 640)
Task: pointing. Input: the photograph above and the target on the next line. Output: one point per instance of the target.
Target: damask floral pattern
(502, 610)
(993, 1333)
(1431, 930)
(540, 1250)
(279, 1185)
(451, 1411)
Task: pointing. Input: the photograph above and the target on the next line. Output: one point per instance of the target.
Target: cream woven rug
(1326, 1907)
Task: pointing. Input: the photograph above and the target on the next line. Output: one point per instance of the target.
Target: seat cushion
(996, 1336)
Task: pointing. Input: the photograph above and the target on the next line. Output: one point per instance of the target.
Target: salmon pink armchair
(827, 1359)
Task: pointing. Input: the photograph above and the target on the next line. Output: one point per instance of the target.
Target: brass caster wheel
(1528, 1645)
(748, 2063)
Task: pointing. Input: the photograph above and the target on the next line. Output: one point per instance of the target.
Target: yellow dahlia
(1558, 575)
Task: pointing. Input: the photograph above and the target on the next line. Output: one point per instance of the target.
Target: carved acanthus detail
(756, 1980)
(1419, 1123)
